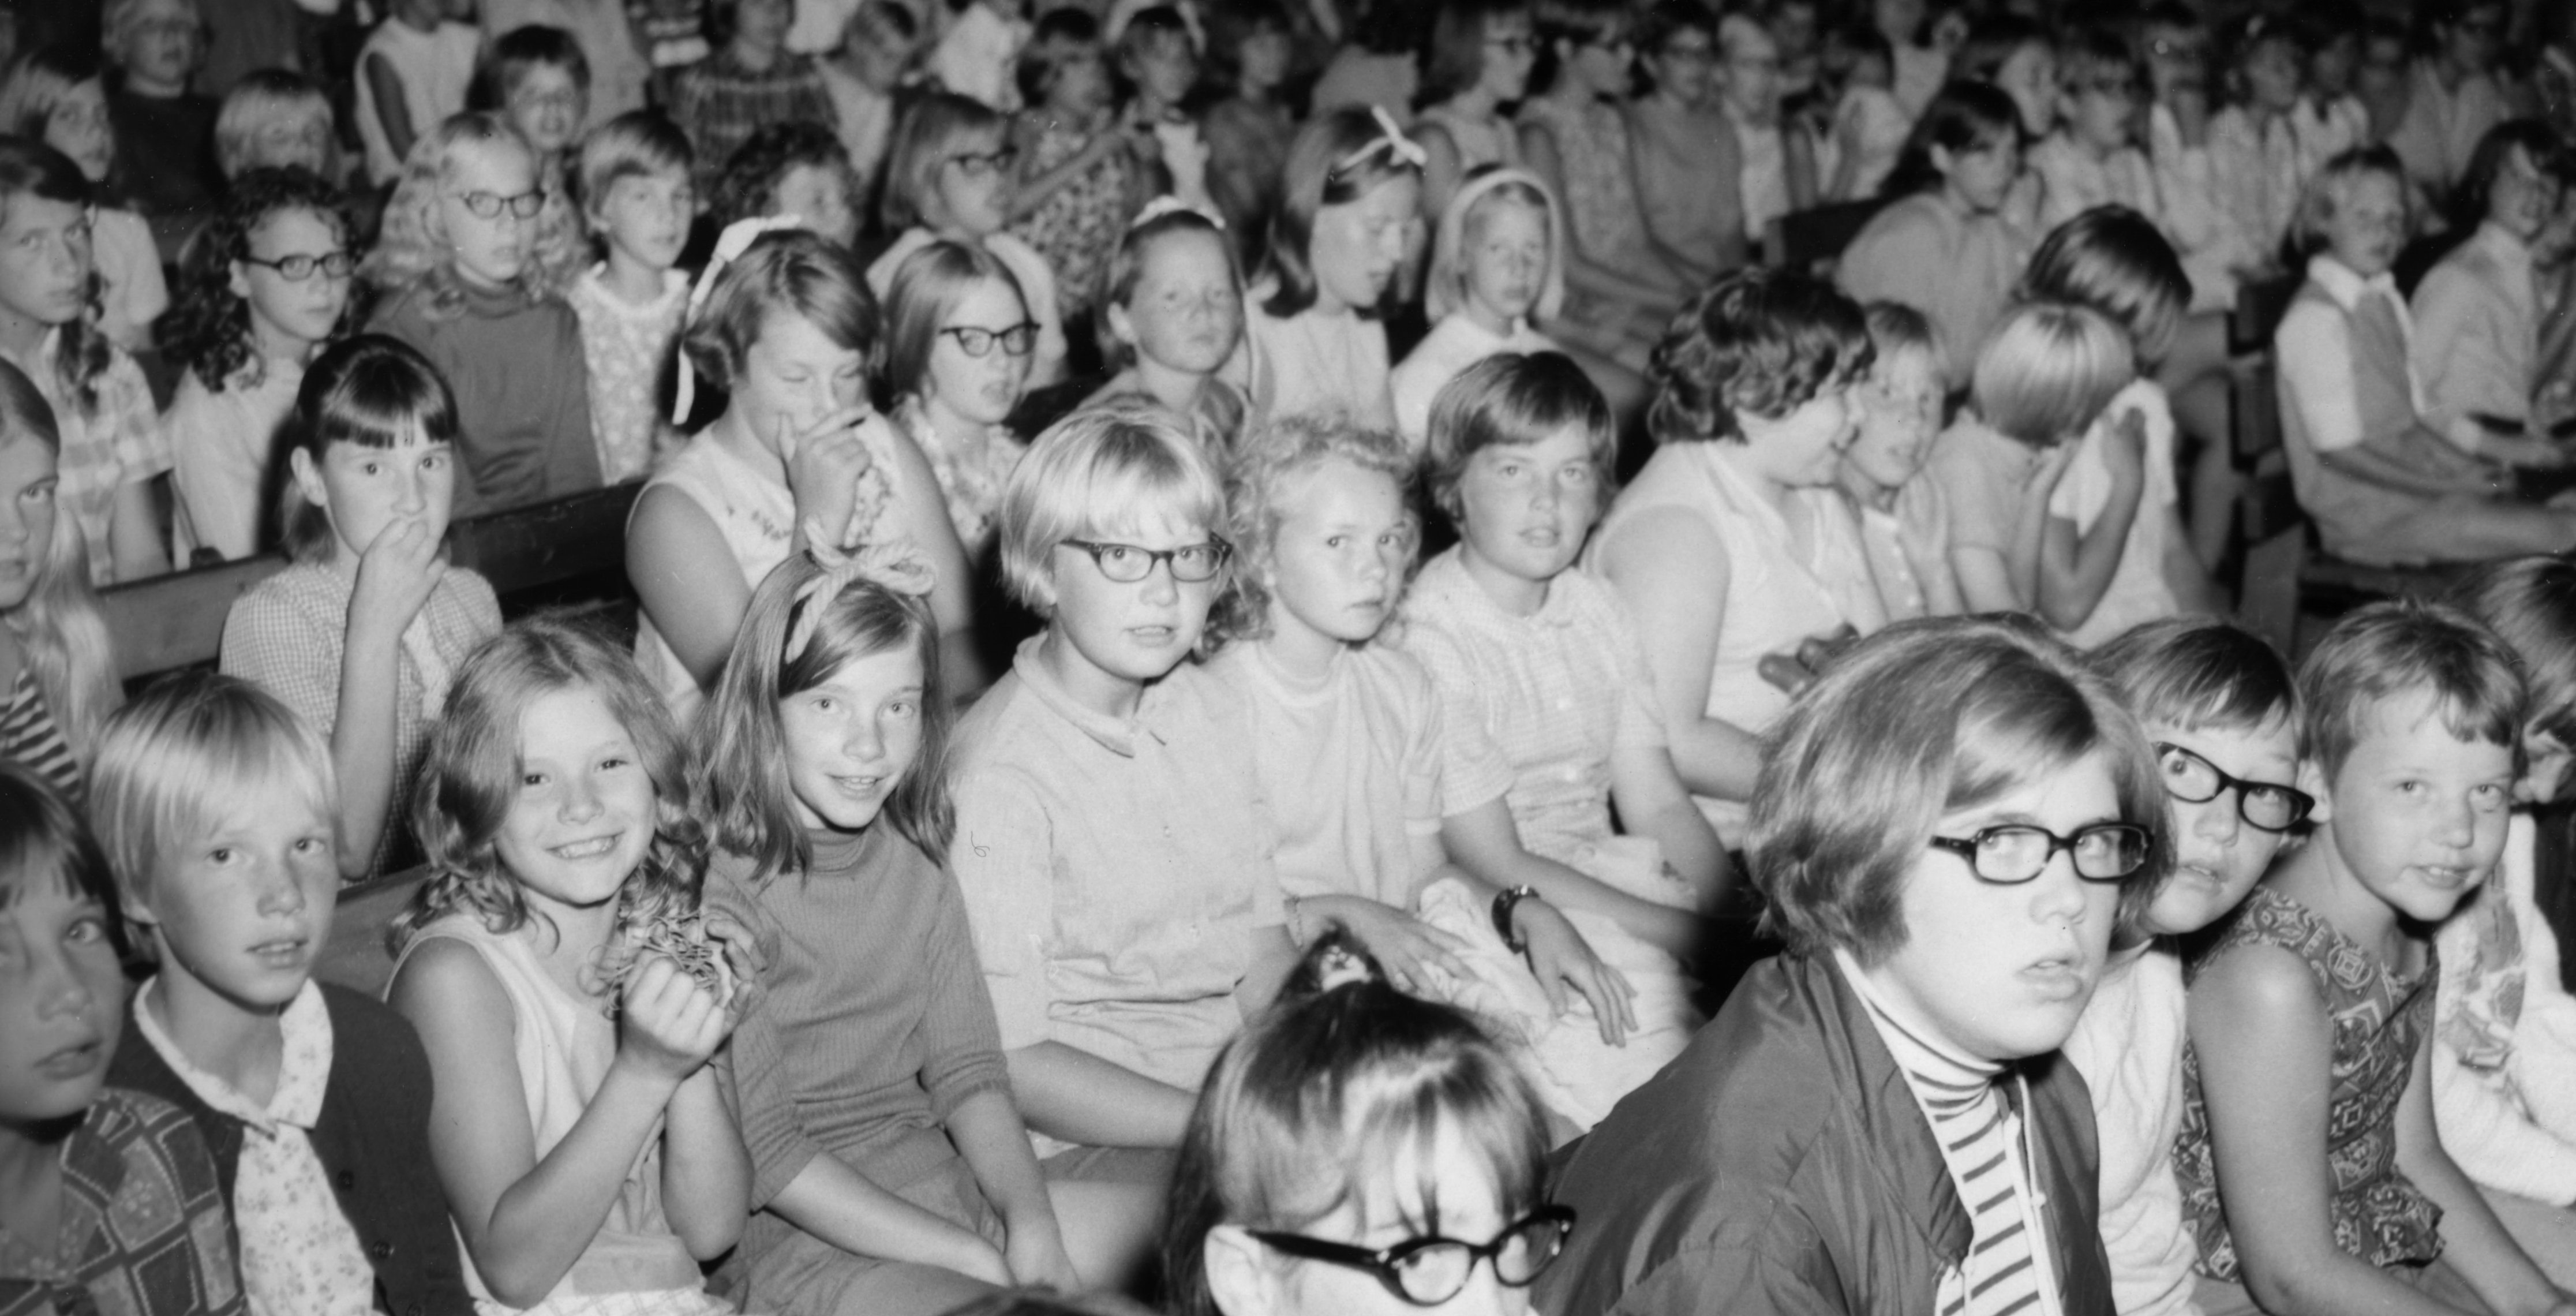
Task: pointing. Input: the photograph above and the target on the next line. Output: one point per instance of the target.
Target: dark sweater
(522, 393)
(165, 154)
(372, 1138)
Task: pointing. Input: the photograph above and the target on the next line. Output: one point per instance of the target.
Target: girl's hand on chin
(396, 575)
(824, 464)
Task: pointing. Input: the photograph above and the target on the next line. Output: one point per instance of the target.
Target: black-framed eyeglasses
(2195, 780)
(488, 205)
(1018, 340)
(299, 267)
(2015, 853)
(1127, 564)
(985, 164)
(1431, 1270)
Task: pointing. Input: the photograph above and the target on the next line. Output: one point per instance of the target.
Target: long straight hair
(59, 624)
(82, 353)
(1321, 172)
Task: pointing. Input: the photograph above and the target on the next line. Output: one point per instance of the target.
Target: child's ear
(238, 281)
(1121, 326)
(2312, 779)
(1238, 1275)
(308, 478)
(1942, 160)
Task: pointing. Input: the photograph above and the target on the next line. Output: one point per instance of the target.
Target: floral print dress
(1078, 228)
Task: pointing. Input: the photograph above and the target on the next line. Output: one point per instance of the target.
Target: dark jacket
(372, 1138)
(1781, 1165)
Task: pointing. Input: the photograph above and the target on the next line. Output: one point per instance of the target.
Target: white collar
(2346, 287)
(303, 1072)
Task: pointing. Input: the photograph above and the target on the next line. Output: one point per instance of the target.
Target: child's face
(2366, 226)
(44, 258)
(2522, 199)
(489, 249)
(1390, 1211)
(1600, 66)
(2176, 54)
(2029, 76)
(2383, 67)
(584, 812)
(794, 375)
(2272, 75)
(1506, 259)
(291, 141)
(1523, 509)
(2003, 971)
(1357, 247)
(2332, 66)
(2218, 855)
(26, 518)
(1080, 83)
(161, 43)
(646, 217)
(1264, 57)
(1186, 313)
(850, 740)
(2474, 41)
(1337, 559)
(78, 128)
(1685, 66)
(546, 107)
(983, 388)
(293, 313)
(876, 53)
(2416, 814)
(62, 999)
(973, 186)
(2102, 110)
(1793, 29)
(1511, 50)
(1752, 85)
(820, 193)
(1900, 410)
(1131, 632)
(1984, 174)
(761, 24)
(243, 909)
(1164, 67)
(367, 490)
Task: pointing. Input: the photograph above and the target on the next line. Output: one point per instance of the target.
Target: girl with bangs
(60, 674)
(55, 95)
(1342, 233)
(1875, 1121)
(1709, 546)
(567, 990)
(958, 343)
(891, 1173)
(363, 633)
(1361, 1152)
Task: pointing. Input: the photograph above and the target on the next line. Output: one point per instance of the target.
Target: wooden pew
(1814, 238)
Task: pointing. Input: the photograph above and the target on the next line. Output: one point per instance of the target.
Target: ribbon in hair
(1167, 204)
(1390, 140)
(895, 565)
(735, 240)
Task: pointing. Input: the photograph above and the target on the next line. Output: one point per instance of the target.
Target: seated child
(215, 804)
(536, 79)
(1574, 138)
(1869, 125)
(2312, 1175)
(1946, 244)
(1479, 59)
(565, 989)
(1111, 843)
(2092, 159)
(951, 174)
(1083, 172)
(118, 1182)
(2504, 1031)
(413, 73)
(2217, 702)
(1313, 341)
(1497, 267)
(54, 95)
(1904, 516)
(751, 80)
(266, 288)
(638, 202)
(2379, 482)
(1247, 131)
(1170, 317)
(2270, 139)
(274, 119)
(2454, 92)
(958, 340)
(2048, 374)
(1690, 169)
(794, 169)
(863, 75)
(362, 634)
(1775, 150)
(2477, 313)
(54, 645)
(164, 132)
(1820, 1146)
(1352, 1121)
(458, 267)
(890, 1170)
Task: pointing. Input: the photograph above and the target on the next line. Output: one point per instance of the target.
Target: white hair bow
(735, 240)
(1390, 140)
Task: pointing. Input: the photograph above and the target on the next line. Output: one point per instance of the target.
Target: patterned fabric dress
(1078, 228)
(2379, 1020)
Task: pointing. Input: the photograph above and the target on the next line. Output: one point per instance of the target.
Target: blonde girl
(1172, 315)
(1497, 269)
(52, 330)
(1347, 223)
(951, 174)
(274, 119)
(54, 650)
(797, 457)
(54, 95)
(824, 762)
(567, 991)
(958, 342)
(463, 270)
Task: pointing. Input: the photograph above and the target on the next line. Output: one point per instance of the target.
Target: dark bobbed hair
(2113, 260)
(1925, 719)
(2530, 604)
(1966, 116)
(784, 270)
(1455, 57)
(1764, 341)
(2404, 647)
(922, 138)
(2204, 673)
(1056, 30)
(1323, 1095)
(516, 52)
(926, 287)
(2538, 143)
(1514, 400)
(742, 756)
(28, 167)
(1315, 177)
(43, 840)
(748, 185)
(372, 390)
(208, 330)
(1235, 22)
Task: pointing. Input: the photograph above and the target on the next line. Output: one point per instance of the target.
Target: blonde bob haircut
(1271, 454)
(2048, 370)
(1926, 719)
(1101, 470)
(2332, 184)
(188, 753)
(2387, 652)
(1464, 220)
(266, 96)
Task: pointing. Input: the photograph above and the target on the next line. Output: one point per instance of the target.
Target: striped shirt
(30, 738)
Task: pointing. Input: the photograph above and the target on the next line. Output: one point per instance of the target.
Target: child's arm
(2473, 1240)
(1653, 803)
(921, 511)
(840, 1206)
(2076, 566)
(685, 579)
(987, 1130)
(2194, 591)
(2259, 1026)
(525, 1220)
(1442, 169)
(2314, 349)
(1484, 841)
(1037, 188)
(396, 576)
(393, 116)
(1671, 571)
(1080, 1097)
(706, 1173)
(1539, 154)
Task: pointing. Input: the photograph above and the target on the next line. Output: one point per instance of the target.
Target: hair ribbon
(1167, 204)
(1390, 140)
(895, 565)
(735, 240)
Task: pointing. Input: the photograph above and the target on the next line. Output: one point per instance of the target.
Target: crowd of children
(1288, 657)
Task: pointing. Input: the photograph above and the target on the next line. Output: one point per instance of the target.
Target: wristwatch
(1503, 903)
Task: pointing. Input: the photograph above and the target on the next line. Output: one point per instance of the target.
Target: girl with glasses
(958, 344)
(1874, 1121)
(54, 95)
(1481, 54)
(950, 175)
(1361, 1152)
(268, 288)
